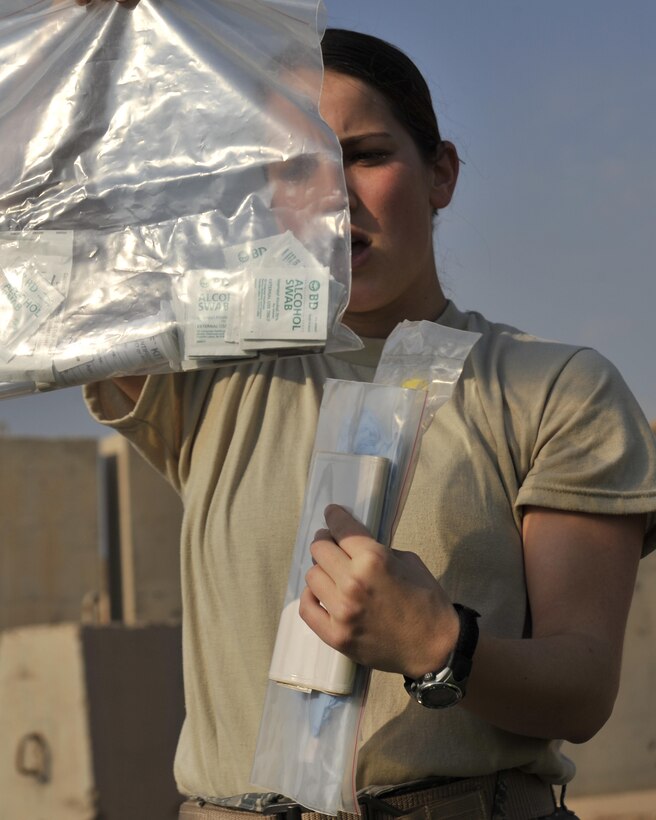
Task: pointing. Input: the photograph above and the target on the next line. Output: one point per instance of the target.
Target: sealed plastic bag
(169, 195)
(365, 452)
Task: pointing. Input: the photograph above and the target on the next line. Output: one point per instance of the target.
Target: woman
(534, 496)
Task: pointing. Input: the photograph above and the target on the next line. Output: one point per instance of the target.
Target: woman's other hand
(380, 607)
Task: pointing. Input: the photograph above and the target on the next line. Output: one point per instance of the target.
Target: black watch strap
(463, 652)
(458, 665)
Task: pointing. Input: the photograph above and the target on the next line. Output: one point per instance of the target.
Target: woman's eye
(368, 157)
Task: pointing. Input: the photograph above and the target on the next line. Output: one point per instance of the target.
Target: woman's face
(393, 193)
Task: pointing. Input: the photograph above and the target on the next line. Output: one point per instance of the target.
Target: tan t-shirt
(531, 422)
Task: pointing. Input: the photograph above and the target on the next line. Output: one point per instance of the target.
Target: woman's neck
(378, 324)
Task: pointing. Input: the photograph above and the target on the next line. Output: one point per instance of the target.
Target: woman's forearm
(561, 686)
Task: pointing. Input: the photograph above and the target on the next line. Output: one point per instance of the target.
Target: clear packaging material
(307, 746)
(170, 197)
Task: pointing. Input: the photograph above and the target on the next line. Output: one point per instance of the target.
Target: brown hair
(392, 73)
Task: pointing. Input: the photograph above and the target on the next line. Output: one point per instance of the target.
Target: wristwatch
(439, 690)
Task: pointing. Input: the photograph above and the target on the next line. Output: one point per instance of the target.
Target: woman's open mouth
(359, 250)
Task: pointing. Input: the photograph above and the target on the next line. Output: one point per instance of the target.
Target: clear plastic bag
(365, 451)
(169, 196)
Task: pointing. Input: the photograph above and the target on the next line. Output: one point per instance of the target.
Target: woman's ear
(445, 175)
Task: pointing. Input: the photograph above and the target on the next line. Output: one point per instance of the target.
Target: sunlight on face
(393, 193)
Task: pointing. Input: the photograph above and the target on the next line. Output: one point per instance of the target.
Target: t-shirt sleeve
(153, 425)
(594, 450)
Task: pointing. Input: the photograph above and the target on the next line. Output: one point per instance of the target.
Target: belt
(511, 795)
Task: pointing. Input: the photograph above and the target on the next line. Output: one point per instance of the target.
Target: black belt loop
(499, 798)
(289, 810)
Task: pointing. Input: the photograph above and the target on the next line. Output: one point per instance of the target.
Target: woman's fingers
(349, 533)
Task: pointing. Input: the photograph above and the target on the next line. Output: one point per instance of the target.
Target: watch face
(440, 695)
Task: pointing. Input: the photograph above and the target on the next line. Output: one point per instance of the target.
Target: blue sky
(553, 228)
(553, 109)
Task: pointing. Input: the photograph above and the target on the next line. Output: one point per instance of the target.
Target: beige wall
(149, 516)
(65, 532)
(89, 715)
(49, 560)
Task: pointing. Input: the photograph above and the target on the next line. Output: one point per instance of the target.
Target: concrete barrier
(89, 721)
